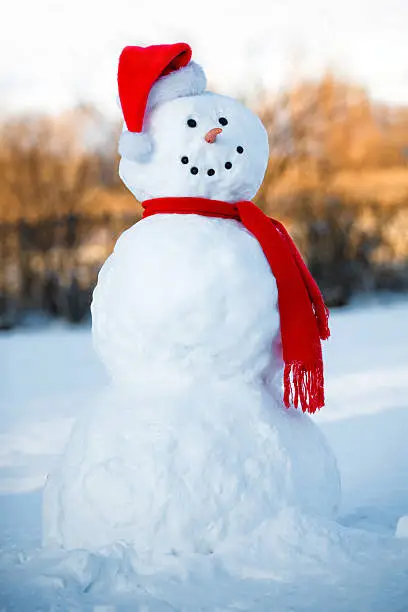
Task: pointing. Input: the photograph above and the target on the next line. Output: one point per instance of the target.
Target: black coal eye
(223, 121)
(192, 123)
(184, 159)
(228, 165)
(194, 170)
(240, 149)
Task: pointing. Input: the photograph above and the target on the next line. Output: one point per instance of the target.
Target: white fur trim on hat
(135, 146)
(187, 81)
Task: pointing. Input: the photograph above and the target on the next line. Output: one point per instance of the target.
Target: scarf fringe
(322, 314)
(304, 385)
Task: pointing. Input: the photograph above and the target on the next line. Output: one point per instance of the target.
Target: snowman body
(191, 447)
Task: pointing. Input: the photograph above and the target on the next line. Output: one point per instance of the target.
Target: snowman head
(181, 141)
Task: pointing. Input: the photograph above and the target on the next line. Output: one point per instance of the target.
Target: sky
(55, 54)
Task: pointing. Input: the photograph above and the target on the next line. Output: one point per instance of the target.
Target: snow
(50, 376)
(402, 527)
(173, 483)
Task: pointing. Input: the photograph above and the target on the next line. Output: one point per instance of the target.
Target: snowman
(210, 327)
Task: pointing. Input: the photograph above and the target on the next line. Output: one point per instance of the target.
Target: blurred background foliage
(337, 176)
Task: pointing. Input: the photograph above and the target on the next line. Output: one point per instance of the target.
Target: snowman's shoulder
(199, 236)
(170, 227)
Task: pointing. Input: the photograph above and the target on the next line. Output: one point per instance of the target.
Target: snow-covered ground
(47, 377)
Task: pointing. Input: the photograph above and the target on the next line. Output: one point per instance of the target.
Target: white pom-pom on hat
(135, 146)
(148, 76)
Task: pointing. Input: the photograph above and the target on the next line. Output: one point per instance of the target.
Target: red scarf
(303, 313)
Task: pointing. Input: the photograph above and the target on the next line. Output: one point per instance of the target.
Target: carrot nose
(212, 135)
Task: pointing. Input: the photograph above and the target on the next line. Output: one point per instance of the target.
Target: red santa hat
(148, 76)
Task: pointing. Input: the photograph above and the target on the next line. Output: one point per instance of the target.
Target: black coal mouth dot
(184, 159)
(211, 172)
(228, 165)
(240, 149)
(194, 170)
